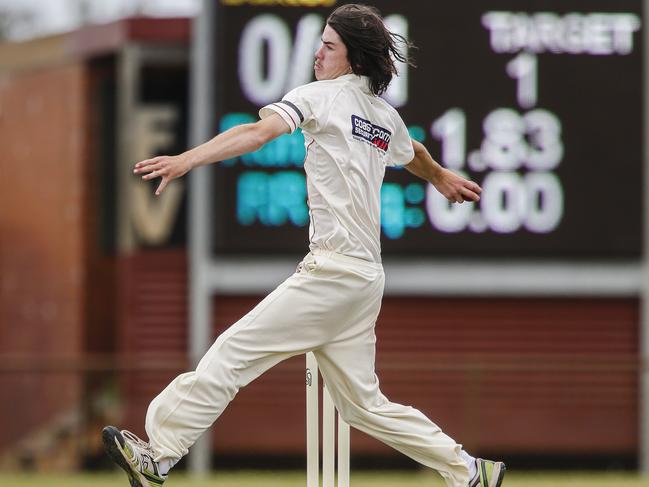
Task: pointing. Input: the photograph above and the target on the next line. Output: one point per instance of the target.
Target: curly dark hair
(371, 48)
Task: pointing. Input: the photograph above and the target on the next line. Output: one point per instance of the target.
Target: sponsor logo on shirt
(373, 134)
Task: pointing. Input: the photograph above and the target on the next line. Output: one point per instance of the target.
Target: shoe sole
(501, 474)
(109, 436)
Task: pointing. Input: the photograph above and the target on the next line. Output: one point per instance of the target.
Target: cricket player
(330, 304)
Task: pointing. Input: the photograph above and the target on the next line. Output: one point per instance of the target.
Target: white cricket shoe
(490, 474)
(134, 456)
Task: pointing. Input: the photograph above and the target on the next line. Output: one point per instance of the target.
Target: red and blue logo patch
(371, 133)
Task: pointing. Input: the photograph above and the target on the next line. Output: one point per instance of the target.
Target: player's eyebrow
(327, 43)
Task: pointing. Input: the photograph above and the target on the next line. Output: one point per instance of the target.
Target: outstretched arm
(455, 188)
(233, 142)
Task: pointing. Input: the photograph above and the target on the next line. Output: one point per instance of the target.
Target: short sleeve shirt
(350, 136)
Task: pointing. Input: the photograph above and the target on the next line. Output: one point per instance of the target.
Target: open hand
(166, 167)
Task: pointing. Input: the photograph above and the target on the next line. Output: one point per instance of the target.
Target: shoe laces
(132, 437)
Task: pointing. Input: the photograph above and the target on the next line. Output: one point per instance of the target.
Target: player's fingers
(144, 168)
(474, 187)
(155, 173)
(469, 195)
(162, 186)
(146, 163)
(160, 168)
(149, 165)
(457, 194)
(455, 197)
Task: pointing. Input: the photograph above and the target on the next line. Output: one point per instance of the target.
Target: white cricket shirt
(350, 136)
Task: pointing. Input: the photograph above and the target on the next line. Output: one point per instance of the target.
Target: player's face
(331, 58)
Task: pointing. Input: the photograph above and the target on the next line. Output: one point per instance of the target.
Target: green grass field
(297, 479)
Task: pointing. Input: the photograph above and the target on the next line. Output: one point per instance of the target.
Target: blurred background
(515, 324)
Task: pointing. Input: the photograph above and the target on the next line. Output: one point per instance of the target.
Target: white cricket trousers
(329, 306)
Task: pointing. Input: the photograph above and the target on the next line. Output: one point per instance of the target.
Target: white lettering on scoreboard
(572, 33)
(520, 151)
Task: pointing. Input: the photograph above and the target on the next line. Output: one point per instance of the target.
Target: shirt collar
(363, 82)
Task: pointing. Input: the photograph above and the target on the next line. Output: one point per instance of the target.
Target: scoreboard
(538, 101)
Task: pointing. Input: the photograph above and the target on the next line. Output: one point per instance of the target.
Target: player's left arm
(454, 187)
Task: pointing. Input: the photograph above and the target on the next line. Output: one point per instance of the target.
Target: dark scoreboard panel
(540, 102)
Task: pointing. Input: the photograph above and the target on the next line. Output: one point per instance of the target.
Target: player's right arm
(233, 142)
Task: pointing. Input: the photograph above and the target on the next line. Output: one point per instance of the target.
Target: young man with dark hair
(330, 304)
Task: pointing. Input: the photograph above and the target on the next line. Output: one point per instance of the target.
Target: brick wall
(42, 221)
